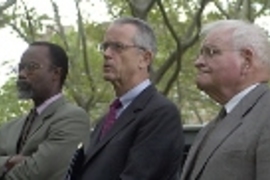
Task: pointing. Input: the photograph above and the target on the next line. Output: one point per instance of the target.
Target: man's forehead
(216, 38)
(122, 28)
(35, 53)
(36, 50)
(118, 32)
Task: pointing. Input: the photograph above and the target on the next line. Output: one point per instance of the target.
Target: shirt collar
(134, 92)
(46, 103)
(238, 97)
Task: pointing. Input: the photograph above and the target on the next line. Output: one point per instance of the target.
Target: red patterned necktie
(111, 117)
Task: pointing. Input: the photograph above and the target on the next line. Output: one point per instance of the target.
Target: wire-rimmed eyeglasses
(117, 46)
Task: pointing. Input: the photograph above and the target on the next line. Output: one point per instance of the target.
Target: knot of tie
(111, 117)
(222, 113)
(33, 113)
(116, 104)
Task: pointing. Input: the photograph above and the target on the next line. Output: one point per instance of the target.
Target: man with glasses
(233, 69)
(39, 146)
(140, 138)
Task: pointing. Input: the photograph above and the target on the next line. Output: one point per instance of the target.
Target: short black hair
(58, 57)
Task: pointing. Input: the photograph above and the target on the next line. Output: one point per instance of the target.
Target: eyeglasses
(210, 52)
(28, 67)
(117, 46)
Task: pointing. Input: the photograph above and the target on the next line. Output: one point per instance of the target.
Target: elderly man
(233, 69)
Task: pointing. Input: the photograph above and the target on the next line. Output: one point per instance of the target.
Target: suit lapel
(195, 149)
(127, 117)
(14, 135)
(39, 121)
(94, 139)
(221, 132)
(228, 125)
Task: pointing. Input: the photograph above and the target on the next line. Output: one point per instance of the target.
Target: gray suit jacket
(239, 145)
(52, 140)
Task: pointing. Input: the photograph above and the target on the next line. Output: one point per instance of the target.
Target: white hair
(245, 34)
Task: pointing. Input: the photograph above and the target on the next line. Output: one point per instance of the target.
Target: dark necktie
(26, 129)
(222, 113)
(111, 117)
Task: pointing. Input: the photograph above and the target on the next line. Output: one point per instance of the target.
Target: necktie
(26, 129)
(222, 113)
(111, 117)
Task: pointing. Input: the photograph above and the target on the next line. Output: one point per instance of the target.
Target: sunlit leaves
(89, 90)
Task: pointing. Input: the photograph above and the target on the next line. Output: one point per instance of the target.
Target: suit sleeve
(55, 152)
(263, 154)
(3, 154)
(157, 149)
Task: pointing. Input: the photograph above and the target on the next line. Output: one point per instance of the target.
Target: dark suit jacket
(145, 143)
(53, 138)
(239, 145)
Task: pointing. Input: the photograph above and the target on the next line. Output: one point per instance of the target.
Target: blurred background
(78, 25)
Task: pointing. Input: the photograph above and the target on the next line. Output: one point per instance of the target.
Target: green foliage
(85, 85)
(118, 8)
(10, 106)
(85, 88)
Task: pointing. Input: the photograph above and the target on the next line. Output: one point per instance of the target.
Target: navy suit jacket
(145, 143)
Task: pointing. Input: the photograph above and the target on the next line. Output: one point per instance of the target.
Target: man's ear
(146, 60)
(248, 58)
(57, 71)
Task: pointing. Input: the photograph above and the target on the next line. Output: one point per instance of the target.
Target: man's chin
(108, 77)
(23, 95)
(24, 90)
(200, 85)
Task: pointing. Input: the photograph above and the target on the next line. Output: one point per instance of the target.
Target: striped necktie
(26, 129)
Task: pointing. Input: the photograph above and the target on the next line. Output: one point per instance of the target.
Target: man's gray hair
(145, 36)
(245, 34)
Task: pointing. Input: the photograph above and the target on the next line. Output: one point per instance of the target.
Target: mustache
(25, 90)
(23, 85)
